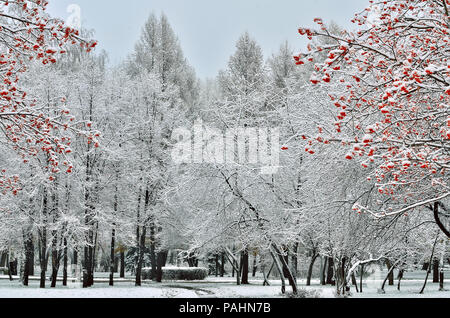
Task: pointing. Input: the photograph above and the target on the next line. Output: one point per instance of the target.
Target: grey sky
(207, 29)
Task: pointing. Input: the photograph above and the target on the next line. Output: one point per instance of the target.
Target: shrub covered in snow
(303, 293)
(179, 273)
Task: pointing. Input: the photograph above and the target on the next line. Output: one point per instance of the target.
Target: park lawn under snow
(215, 287)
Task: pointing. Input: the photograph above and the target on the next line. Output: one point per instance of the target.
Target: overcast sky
(207, 29)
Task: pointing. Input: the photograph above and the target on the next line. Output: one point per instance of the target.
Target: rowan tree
(392, 115)
(29, 35)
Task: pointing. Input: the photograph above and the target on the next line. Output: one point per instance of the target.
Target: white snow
(217, 287)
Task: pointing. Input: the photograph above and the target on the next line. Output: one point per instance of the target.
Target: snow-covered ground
(214, 287)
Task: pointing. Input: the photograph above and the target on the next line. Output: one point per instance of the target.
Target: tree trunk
(341, 279)
(75, 262)
(94, 258)
(31, 259)
(43, 259)
(310, 269)
(222, 265)
(234, 263)
(390, 272)
(323, 266)
(361, 275)
(391, 275)
(244, 265)
(255, 266)
(400, 277)
(65, 259)
(263, 269)
(330, 271)
(10, 268)
(28, 244)
(153, 259)
(113, 231)
(112, 256)
(285, 268)
(55, 247)
(140, 257)
(217, 265)
(55, 265)
(122, 264)
(441, 279)
(436, 270)
(160, 263)
(429, 267)
(354, 282)
(295, 260)
(280, 271)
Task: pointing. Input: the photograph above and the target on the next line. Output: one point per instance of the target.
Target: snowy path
(211, 288)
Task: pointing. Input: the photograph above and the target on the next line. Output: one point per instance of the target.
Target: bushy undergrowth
(303, 293)
(179, 273)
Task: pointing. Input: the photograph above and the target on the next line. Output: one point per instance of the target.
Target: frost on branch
(393, 113)
(29, 35)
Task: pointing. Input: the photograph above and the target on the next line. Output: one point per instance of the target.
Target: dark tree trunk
(435, 270)
(276, 261)
(285, 263)
(354, 282)
(28, 242)
(222, 265)
(441, 280)
(330, 272)
(94, 253)
(286, 271)
(122, 264)
(43, 259)
(217, 265)
(116, 264)
(31, 263)
(191, 259)
(295, 260)
(10, 268)
(391, 270)
(400, 277)
(75, 260)
(161, 262)
(113, 231)
(153, 259)
(429, 268)
(65, 260)
(437, 218)
(324, 262)
(4, 259)
(88, 264)
(140, 257)
(244, 265)
(341, 280)
(391, 273)
(31, 259)
(255, 266)
(55, 247)
(55, 266)
(361, 275)
(310, 269)
(112, 256)
(234, 264)
(26, 274)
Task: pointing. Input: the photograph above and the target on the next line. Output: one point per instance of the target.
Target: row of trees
(103, 188)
